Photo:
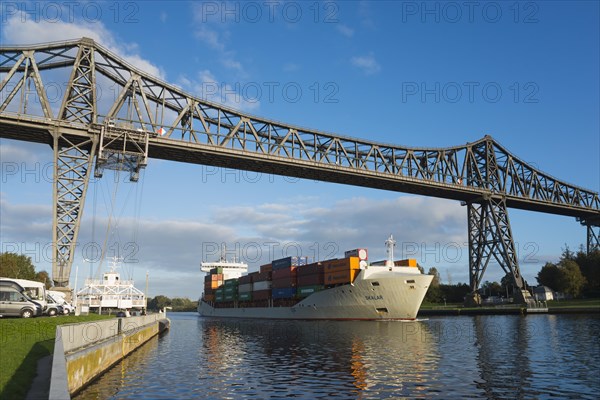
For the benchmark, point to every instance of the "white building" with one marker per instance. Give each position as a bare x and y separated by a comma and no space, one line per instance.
543,293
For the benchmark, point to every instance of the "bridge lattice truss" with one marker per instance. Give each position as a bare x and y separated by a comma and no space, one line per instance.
90,104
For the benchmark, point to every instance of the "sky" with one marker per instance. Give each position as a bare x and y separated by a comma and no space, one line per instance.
417,74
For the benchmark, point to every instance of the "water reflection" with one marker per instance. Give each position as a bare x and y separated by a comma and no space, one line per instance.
319,359
447,357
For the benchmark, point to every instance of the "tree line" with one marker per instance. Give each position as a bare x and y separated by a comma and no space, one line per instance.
19,266
575,274
177,304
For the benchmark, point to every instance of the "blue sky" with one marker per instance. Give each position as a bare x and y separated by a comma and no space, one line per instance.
409,73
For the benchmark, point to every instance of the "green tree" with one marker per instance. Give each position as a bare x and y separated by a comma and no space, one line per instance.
550,276
43,277
18,266
571,278
434,294
491,288
159,302
589,264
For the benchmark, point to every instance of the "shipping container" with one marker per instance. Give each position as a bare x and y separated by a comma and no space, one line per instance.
342,264
219,297
245,287
261,294
310,280
213,284
304,291
311,269
261,285
245,279
284,293
341,277
218,270
230,297
289,262
263,276
410,262
219,291
209,297
230,289
266,268
253,275
284,283
245,296
231,282
362,254
284,273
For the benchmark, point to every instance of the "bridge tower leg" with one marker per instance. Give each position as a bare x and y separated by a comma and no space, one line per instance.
490,236
72,169
593,238
73,159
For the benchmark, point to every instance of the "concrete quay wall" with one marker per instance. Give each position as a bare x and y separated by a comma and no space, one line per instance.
84,351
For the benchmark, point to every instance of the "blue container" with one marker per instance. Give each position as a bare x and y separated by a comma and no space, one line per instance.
288,262
281,263
285,293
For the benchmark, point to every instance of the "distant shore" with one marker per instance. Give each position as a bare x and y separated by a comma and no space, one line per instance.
552,307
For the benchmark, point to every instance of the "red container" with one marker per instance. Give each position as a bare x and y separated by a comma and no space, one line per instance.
245,279
253,275
284,273
263,276
310,280
310,269
284,283
266,268
261,295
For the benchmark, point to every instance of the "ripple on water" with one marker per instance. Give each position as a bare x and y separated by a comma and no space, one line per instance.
540,356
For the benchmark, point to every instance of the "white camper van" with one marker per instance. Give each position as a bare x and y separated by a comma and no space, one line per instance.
36,291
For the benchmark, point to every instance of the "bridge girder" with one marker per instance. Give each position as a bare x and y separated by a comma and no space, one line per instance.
106,97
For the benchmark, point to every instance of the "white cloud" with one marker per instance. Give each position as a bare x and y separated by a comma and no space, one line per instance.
368,64
345,30
22,30
214,33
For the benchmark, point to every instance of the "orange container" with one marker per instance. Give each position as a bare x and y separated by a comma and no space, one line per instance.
213,284
209,297
341,277
409,262
342,264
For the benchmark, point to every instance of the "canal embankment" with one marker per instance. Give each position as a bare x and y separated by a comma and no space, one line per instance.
507,310
83,351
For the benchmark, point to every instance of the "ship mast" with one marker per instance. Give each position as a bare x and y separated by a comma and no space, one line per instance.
390,243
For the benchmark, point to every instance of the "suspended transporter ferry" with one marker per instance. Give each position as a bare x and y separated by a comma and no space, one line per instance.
340,289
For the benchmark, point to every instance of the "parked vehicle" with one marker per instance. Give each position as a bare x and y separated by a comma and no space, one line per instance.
36,291
53,308
59,297
15,302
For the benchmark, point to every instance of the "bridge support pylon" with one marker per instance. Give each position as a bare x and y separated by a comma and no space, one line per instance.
490,236
593,238
72,169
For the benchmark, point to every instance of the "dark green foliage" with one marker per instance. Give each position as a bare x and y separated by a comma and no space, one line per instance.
178,304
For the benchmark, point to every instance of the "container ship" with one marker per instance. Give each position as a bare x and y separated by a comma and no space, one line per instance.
349,288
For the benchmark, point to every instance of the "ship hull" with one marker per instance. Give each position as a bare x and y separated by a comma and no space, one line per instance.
376,294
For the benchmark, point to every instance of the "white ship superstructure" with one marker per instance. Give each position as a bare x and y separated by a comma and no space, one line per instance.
111,292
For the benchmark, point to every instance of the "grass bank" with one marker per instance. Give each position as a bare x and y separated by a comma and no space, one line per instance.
22,343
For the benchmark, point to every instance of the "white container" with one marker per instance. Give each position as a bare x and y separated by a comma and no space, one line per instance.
264,285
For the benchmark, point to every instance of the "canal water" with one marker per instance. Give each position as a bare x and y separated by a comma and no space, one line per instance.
495,357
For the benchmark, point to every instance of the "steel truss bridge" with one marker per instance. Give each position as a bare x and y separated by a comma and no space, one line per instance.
109,114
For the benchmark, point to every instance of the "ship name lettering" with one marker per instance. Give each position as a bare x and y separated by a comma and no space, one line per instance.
378,297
